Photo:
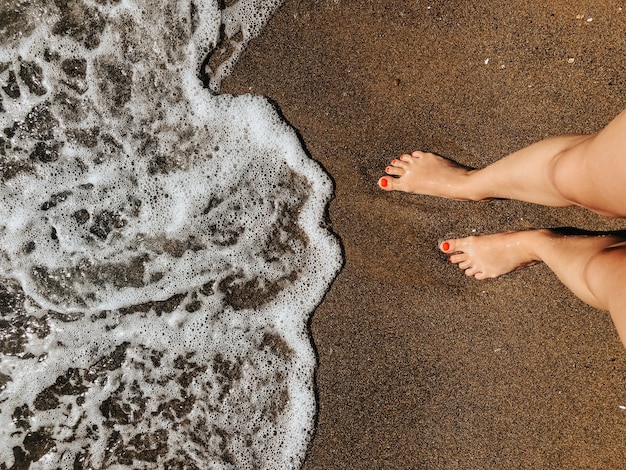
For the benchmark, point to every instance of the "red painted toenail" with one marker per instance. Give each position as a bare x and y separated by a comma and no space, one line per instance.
445,246
383,183
394,162
387,169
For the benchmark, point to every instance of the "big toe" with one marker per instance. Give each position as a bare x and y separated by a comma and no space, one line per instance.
386,183
447,246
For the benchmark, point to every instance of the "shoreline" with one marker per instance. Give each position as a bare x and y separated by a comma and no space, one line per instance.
420,367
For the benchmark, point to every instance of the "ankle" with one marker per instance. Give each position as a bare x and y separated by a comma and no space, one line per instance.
536,242
473,187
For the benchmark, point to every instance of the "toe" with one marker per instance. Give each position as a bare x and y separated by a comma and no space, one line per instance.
448,246
405,159
480,276
458,258
393,170
473,271
385,183
465,265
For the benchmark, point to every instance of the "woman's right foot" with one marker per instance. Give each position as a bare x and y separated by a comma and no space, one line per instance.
491,256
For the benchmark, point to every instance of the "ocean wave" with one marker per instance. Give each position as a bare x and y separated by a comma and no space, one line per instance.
161,247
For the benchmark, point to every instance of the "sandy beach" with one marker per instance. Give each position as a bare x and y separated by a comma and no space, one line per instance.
419,367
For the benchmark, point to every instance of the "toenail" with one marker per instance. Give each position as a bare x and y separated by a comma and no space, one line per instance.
387,169
383,183
394,162
445,246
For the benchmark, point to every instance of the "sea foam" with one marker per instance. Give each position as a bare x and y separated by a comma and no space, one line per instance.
161,247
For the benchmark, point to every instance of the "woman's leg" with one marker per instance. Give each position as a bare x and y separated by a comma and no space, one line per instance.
585,170
592,267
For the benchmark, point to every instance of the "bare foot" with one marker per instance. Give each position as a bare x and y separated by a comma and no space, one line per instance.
428,174
491,256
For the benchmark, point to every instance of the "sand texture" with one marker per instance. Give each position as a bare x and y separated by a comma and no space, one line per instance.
420,367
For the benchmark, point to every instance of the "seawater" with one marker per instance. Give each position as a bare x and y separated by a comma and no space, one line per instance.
162,246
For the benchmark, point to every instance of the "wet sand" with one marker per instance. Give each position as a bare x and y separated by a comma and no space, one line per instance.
420,367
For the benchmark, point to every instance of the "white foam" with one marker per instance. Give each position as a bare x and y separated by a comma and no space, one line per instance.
160,247
242,21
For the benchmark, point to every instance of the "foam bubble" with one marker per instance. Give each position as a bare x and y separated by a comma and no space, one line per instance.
160,247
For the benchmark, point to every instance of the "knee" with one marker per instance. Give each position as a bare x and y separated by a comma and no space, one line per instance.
569,170
604,275
581,176
564,174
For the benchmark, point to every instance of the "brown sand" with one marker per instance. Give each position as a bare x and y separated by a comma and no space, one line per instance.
420,367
